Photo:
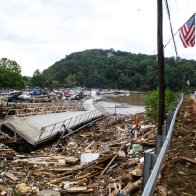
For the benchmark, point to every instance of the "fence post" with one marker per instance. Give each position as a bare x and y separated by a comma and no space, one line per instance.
147,166
158,143
164,134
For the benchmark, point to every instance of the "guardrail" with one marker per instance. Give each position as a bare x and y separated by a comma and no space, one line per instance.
68,124
154,161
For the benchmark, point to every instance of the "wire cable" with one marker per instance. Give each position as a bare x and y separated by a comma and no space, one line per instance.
171,28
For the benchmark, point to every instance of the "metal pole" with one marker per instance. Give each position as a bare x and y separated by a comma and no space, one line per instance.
115,106
160,65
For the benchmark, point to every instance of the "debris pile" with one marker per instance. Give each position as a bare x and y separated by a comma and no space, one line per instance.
103,159
178,171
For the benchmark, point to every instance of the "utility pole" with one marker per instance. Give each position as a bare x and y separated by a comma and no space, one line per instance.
160,65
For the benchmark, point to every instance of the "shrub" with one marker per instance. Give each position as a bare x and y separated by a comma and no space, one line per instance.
152,104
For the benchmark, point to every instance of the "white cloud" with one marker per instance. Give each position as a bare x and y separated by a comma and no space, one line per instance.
37,33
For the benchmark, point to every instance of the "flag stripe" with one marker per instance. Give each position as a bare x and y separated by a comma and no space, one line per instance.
187,33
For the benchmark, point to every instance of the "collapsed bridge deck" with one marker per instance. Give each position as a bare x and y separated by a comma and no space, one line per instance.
40,128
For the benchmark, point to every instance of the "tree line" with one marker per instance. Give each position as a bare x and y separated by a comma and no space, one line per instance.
97,68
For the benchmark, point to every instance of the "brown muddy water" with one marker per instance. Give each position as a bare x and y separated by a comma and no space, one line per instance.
124,104
131,99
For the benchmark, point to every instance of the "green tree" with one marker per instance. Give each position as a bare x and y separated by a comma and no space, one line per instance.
71,80
26,81
10,74
37,79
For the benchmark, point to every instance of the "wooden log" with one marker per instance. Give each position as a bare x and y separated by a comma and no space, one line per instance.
131,186
31,162
79,189
42,173
112,160
187,159
89,145
147,143
74,168
88,175
68,159
43,160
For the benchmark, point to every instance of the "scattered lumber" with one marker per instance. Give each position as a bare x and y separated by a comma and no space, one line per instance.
59,167
11,176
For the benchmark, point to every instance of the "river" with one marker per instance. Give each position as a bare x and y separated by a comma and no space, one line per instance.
124,104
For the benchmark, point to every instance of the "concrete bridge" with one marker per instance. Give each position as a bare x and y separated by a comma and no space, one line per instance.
40,128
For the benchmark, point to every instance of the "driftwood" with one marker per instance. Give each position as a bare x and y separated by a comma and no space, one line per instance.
187,159
89,145
65,169
147,143
120,129
42,173
116,187
112,160
148,133
43,160
11,176
59,167
131,186
79,189
88,175
68,159
31,162
125,178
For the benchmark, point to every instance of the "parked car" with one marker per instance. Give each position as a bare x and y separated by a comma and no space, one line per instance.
78,96
18,97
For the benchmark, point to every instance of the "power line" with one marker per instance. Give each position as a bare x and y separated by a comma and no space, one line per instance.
171,28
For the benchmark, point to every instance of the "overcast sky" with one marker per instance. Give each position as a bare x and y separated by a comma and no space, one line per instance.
37,33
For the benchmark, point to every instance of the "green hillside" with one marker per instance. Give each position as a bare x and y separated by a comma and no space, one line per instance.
117,69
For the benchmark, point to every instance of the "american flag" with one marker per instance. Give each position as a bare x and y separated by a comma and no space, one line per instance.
187,32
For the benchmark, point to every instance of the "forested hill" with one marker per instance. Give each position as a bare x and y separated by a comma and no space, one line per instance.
117,69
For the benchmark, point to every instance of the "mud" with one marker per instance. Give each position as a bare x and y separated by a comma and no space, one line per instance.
178,176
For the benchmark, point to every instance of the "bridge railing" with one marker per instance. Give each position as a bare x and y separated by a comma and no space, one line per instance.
68,124
21,110
98,106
